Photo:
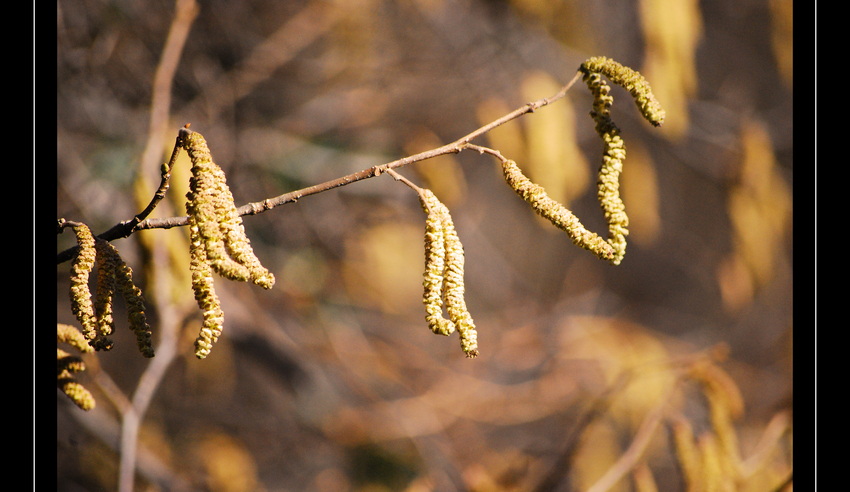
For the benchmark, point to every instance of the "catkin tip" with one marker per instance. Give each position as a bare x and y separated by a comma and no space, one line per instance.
630,80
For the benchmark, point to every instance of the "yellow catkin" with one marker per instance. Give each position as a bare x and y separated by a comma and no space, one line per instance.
77,393
105,287
135,306
219,226
107,258
202,285
81,267
613,155
556,213
218,240
72,336
614,152
435,262
453,286
66,365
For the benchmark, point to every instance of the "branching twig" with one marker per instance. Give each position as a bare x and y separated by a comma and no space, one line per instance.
140,222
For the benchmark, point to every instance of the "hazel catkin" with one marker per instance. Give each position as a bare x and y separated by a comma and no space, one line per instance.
218,242
81,268
555,212
435,265
444,276
220,228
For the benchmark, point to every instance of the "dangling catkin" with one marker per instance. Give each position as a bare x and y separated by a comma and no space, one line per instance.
202,285
220,228
443,282
435,265
614,153
556,213
217,239
81,267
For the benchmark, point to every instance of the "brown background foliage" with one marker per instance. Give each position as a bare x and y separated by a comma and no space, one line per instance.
331,380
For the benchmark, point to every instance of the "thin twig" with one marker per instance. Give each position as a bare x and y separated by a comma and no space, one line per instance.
418,190
126,228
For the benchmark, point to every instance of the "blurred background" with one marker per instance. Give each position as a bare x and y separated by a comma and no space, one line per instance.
332,381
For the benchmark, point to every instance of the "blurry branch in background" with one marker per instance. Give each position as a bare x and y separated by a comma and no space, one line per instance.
559,470
133,410
301,30
132,415
710,461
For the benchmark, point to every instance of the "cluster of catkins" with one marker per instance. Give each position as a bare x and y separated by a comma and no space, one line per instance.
95,316
112,274
218,242
444,276
614,153
67,364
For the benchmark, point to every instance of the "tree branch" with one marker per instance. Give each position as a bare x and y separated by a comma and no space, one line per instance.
140,222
